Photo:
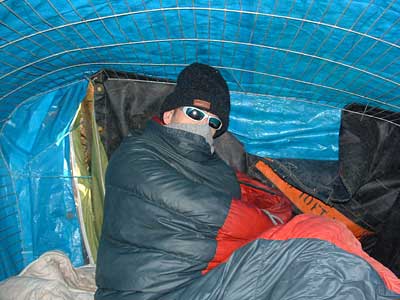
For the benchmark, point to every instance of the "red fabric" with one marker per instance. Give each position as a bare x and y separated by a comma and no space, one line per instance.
275,202
242,225
335,232
158,120
246,221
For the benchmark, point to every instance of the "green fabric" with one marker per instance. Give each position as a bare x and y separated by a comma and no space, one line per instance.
90,178
98,166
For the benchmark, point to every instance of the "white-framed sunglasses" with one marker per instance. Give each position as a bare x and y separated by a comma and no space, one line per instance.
198,115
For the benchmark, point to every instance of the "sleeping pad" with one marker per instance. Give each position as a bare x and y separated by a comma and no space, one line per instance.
177,225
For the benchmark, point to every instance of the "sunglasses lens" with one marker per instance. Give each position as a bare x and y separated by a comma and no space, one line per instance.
198,115
195,114
214,123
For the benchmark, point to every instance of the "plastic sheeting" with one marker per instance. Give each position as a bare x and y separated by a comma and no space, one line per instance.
89,162
274,127
325,53
10,241
35,144
330,52
266,125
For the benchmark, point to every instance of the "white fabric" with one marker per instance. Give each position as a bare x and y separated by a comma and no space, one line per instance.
51,277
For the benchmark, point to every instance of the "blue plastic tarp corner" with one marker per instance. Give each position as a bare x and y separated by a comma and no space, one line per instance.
35,144
285,128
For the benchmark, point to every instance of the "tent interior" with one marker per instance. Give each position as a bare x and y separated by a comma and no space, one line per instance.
315,91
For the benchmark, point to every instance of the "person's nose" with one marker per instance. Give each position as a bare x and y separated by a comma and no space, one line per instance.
204,121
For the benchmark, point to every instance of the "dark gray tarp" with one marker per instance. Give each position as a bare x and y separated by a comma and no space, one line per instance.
124,102
364,184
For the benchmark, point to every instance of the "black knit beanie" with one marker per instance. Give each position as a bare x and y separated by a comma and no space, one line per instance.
204,87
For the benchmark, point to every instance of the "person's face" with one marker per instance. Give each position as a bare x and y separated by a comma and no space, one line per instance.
178,116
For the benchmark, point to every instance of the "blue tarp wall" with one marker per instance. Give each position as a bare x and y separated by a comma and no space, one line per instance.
291,67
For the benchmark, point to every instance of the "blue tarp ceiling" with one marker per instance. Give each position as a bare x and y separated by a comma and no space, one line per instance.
291,66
